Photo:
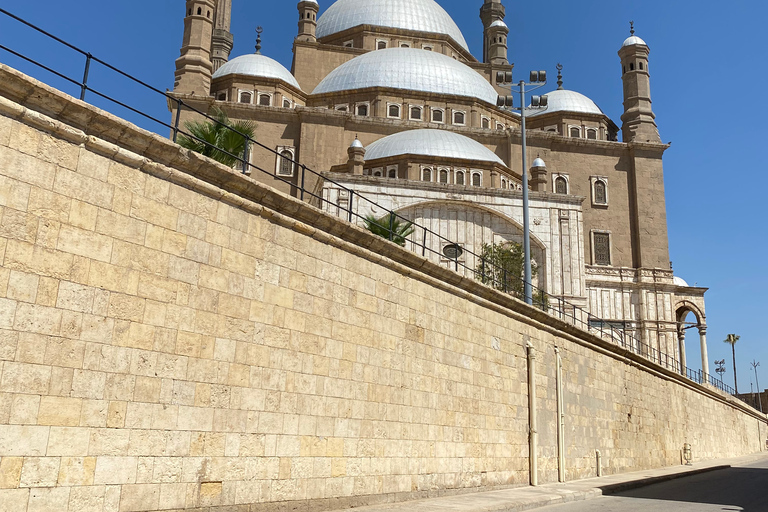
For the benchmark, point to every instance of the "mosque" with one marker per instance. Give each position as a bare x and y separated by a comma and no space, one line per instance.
386,103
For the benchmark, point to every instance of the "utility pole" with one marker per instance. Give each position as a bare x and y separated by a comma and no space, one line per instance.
754,364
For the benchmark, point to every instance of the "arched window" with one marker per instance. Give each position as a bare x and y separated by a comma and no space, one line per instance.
459,177
601,245
476,180
428,48
286,103
245,97
378,173
380,45
499,126
265,100
592,134
416,113
222,96
503,183
392,172
426,174
601,192
437,116
641,65
459,118
393,111
561,185
362,110
575,132
199,11
285,163
443,176
486,123
631,66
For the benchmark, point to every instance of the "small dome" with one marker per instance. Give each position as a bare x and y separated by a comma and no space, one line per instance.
410,69
416,15
498,23
568,101
539,163
633,40
679,281
309,1
435,143
258,66
356,144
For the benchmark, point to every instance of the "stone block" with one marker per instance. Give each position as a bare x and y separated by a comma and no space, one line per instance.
121,227
25,378
75,184
59,411
77,471
68,442
27,168
22,286
94,413
18,225
38,319
85,243
140,497
48,500
75,297
63,352
14,500
46,204
10,472
24,410
115,470
87,499
39,472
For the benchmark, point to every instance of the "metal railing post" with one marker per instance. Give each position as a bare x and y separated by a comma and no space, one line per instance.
391,226
424,243
84,86
351,197
303,173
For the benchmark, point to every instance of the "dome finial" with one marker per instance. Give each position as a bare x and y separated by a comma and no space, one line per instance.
259,30
632,27
559,77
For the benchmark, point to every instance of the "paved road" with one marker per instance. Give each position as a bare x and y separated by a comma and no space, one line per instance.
743,488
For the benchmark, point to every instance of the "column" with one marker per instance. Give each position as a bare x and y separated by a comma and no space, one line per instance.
681,342
704,357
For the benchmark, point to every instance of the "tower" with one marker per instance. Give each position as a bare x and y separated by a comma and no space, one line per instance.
639,123
496,41
308,10
193,67
493,11
223,40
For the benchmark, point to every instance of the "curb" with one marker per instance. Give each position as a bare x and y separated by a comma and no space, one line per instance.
643,482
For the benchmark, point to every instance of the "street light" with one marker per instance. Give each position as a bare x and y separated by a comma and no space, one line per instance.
754,365
720,367
538,79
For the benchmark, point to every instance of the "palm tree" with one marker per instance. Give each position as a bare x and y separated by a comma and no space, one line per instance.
381,226
732,339
218,139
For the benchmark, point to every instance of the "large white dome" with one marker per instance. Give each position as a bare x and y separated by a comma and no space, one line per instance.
410,69
256,65
417,15
436,143
568,101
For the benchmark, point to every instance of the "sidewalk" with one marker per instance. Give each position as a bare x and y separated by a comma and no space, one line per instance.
528,498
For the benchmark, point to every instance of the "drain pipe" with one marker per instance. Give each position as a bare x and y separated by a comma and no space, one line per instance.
560,419
533,435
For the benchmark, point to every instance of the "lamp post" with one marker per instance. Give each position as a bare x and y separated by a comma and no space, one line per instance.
754,365
720,367
538,79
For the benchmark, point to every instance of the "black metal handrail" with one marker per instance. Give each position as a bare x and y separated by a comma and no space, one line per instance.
553,305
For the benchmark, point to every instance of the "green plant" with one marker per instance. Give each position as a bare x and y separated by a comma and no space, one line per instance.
732,339
381,226
501,267
218,140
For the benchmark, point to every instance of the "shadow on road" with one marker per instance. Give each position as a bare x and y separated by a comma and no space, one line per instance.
734,488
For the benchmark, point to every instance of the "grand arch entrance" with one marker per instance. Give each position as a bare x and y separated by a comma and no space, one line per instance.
682,310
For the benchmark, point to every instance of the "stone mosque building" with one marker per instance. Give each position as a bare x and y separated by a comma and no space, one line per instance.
385,99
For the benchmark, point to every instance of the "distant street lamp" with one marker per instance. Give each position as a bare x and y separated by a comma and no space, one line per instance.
538,80
754,365
720,367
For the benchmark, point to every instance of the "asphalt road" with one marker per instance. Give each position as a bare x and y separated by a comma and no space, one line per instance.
743,488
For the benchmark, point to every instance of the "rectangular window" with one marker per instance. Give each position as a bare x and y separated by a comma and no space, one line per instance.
416,113
602,248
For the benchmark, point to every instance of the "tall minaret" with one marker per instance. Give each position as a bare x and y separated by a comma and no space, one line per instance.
223,40
193,67
308,10
492,11
638,118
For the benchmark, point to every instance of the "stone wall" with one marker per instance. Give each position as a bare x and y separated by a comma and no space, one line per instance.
177,336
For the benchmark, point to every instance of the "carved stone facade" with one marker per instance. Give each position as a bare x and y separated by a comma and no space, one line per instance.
361,76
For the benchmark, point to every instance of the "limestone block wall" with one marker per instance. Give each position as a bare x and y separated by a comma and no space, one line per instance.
175,336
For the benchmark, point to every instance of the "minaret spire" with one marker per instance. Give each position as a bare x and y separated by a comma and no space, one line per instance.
223,40
638,120
495,32
259,30
559,77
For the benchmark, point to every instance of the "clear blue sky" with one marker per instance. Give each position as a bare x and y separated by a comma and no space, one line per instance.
707,59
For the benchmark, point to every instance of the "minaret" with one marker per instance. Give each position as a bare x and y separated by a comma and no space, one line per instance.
308,10
638,117
497,43
193,67
223,40
490,12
